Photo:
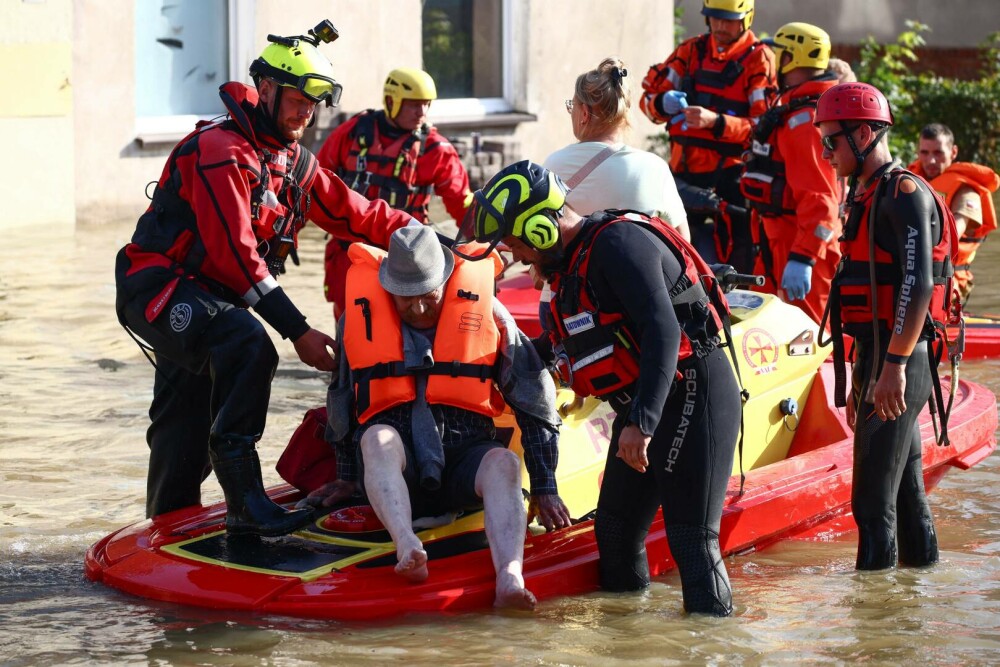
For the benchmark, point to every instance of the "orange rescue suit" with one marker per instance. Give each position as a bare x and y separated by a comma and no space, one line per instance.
736,81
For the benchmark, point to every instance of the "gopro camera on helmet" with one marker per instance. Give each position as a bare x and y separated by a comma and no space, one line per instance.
325,32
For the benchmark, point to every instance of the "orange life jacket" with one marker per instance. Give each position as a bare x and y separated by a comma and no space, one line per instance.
984,181
465,342
598,350
386,172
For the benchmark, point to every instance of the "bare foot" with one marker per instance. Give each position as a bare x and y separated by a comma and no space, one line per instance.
412,561
512,594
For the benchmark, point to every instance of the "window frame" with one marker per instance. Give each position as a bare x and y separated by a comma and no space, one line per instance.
240,14
445,109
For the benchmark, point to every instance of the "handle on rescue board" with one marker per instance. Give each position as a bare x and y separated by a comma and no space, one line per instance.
742,280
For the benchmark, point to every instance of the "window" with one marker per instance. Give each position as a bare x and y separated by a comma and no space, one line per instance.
466,48
184,50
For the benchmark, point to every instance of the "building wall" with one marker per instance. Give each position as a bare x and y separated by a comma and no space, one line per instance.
956,23
36,112
79,118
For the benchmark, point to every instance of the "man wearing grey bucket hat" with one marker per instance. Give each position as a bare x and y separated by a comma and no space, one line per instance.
430,357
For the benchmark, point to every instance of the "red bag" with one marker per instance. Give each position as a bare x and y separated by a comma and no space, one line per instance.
309,461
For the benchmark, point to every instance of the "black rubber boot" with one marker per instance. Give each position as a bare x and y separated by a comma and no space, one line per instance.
249,511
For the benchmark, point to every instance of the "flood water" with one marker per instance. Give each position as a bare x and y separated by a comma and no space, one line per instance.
74,391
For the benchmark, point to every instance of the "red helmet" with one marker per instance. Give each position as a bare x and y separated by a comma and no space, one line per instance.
853,101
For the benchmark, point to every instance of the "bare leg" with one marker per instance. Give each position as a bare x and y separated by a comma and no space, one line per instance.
385,460
498,482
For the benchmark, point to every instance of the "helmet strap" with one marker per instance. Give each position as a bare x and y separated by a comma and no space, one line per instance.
269,117
859,155
276,106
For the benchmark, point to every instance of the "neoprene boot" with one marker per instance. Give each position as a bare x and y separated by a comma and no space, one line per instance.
249,511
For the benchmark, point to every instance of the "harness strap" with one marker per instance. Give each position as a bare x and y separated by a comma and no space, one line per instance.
744,392
483,372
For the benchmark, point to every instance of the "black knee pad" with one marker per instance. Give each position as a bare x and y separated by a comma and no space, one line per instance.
704,580
622,548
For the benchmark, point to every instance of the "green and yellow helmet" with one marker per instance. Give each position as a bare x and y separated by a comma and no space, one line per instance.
295,62
523,200
807,45
729,10
406,83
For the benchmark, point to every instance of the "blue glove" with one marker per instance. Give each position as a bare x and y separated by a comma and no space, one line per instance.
796,280
672,102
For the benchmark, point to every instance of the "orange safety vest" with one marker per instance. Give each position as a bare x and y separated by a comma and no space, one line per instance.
465,342
984,181
741,86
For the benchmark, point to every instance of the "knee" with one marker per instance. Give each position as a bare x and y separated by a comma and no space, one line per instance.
621,543
504,464
500,467
382,444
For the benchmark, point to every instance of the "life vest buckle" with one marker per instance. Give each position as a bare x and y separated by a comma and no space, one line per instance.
563,368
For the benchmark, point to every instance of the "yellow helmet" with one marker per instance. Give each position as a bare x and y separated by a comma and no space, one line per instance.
808,46
730,10
406,83
297,63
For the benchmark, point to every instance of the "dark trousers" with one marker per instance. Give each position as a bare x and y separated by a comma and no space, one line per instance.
214,366
888,497
690,462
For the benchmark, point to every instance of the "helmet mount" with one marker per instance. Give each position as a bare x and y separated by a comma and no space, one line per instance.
323,32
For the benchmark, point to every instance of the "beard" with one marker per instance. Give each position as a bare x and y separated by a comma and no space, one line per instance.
550,261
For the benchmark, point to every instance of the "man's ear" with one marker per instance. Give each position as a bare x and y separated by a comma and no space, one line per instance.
954,152
265,91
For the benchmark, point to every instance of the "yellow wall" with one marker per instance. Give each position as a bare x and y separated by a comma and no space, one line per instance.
36,109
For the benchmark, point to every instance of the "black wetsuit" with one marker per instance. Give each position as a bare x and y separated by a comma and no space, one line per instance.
694,422
888,493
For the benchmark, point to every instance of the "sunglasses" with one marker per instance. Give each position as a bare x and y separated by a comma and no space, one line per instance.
828,140
569,106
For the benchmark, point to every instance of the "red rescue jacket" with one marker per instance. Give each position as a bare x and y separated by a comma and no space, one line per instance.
231,200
